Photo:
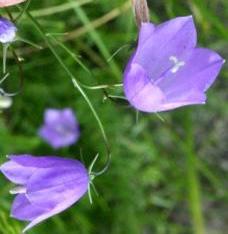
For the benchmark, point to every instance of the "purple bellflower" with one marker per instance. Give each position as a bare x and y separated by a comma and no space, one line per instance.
45,186
7,31
60,128
167,70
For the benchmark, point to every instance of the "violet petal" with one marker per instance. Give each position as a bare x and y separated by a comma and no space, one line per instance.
22,209
173,37
7,31
138,93
146,31
60,128
199,72
167,70
27,160
59,208
60,184
16,172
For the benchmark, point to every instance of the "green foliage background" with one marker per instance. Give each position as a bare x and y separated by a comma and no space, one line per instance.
159,170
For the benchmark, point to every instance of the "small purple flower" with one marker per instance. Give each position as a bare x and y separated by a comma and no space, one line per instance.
167,70
60,128
45,186
7,31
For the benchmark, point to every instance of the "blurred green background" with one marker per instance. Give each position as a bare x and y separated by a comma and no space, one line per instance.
166,177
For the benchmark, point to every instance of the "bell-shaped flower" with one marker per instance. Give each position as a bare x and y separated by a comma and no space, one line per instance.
7,31
45,186
6,3
60,128
168,70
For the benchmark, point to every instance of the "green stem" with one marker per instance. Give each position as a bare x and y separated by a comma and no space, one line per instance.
76,85
22,12
102,86
4,56
193,180
70,53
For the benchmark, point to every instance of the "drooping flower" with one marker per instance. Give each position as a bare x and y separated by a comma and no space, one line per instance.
167,70
7,31
45,186
5,3
60,128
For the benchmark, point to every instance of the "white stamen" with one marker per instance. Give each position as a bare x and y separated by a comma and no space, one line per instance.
177,64
18,190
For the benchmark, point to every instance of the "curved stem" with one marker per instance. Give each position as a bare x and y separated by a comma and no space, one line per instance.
21,75
17,61
69,52
21,83
29,43
4,78
22,12
102,86
4,57
76,85
117,51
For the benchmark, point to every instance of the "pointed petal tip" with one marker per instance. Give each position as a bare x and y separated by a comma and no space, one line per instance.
189,17
185,19
203,102
3,167
29,226
3,164
146,23
13,216
25,229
